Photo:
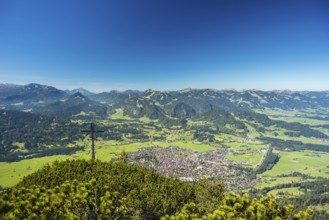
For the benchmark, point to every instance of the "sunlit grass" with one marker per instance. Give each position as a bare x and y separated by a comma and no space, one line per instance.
270,181
119,115
307,162
12,173
251,158
294,191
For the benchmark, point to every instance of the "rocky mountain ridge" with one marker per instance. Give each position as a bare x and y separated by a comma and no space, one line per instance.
185,103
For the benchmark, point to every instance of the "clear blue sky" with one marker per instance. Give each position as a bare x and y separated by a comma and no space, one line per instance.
166,44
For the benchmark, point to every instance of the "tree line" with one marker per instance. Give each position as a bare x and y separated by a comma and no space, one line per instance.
292,145
315,192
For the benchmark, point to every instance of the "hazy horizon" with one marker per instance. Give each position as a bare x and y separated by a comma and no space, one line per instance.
181,89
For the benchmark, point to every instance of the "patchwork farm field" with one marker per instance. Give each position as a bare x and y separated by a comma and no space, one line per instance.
242,150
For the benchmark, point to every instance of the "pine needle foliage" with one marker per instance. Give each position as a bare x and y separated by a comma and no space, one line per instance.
81,189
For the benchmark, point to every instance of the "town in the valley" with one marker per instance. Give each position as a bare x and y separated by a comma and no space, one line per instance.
193,166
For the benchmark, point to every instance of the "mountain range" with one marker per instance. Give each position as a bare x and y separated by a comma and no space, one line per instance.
227,111
185,103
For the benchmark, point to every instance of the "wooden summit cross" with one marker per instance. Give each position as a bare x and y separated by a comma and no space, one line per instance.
92,135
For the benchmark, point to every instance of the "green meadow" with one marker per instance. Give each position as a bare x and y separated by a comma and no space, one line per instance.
251,158
308,162
270,181
12,173
287,192
311,163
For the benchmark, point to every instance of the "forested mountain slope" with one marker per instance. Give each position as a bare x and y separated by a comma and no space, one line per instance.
28,96
75,106
27,132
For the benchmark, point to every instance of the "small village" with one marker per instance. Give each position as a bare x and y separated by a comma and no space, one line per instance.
194,166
